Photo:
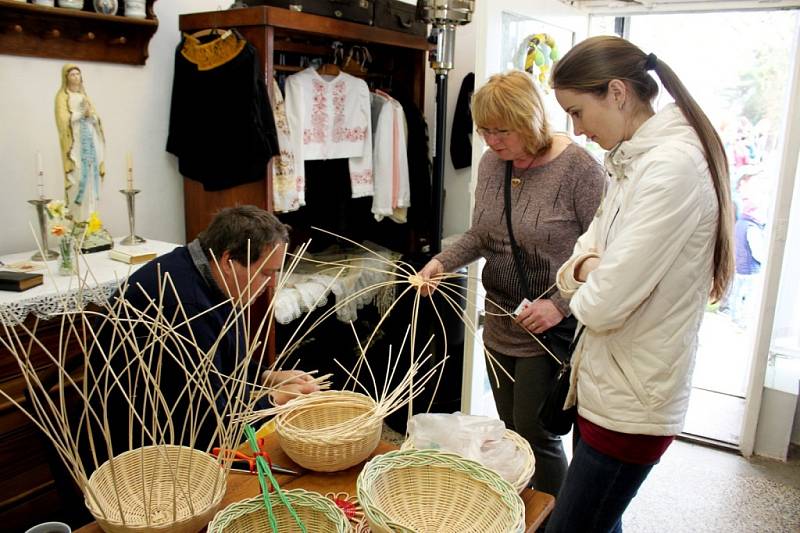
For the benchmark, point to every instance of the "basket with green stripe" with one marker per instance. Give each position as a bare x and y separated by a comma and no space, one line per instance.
318,514
426,491
525,475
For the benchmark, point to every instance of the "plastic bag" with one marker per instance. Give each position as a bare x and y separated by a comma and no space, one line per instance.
475,437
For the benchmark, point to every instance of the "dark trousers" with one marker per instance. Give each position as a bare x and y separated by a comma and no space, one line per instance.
596,493
518,406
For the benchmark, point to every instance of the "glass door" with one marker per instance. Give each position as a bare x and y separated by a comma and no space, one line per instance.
743,85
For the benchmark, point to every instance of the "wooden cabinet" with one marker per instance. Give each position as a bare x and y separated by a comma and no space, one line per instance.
41,31
398,58
29,491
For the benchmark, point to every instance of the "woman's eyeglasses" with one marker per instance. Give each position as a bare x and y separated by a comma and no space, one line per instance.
497,134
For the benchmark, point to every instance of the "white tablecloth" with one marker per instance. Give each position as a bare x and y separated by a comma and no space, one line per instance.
98,279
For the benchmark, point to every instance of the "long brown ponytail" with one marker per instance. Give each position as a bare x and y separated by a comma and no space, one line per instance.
591,64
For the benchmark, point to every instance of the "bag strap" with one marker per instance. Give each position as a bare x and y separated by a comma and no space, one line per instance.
516,252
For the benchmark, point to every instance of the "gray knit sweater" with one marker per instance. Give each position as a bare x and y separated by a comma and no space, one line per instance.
550,209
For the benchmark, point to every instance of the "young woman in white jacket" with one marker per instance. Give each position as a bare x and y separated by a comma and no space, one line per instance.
640,277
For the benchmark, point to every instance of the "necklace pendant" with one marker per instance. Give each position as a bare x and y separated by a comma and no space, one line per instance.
515,182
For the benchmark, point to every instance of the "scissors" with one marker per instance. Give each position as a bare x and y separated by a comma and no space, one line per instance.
241,457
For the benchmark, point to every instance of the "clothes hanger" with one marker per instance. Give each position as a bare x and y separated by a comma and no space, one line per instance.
214,30
332,69
328,69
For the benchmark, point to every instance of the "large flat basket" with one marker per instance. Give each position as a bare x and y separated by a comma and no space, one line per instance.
426,491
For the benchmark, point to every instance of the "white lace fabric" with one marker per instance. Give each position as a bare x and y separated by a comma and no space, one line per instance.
311,284
97,279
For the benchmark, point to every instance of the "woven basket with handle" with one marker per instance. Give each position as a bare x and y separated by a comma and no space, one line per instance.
330,430
525,475
318,514
156,489
426,491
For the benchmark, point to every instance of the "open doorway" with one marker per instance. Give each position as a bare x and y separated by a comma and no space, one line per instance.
737,66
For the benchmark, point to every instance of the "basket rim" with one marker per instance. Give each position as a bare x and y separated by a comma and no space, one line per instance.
248,505
213,502
321,399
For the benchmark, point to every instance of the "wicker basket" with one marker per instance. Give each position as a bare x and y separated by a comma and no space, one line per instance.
425,491
330,430
161,488
318,514
525,475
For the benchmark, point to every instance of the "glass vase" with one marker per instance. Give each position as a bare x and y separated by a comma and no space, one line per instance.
66,249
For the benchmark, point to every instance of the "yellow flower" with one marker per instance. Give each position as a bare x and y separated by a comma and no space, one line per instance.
57,209
94,223
58,230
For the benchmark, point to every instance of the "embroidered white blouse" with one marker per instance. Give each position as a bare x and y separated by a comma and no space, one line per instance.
329,118
288,188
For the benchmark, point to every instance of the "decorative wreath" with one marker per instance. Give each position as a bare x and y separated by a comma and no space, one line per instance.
536,55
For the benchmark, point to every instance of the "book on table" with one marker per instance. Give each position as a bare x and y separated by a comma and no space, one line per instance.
19,281
131,256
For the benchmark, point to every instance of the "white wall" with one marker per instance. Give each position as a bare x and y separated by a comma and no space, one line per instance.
488,31
133,102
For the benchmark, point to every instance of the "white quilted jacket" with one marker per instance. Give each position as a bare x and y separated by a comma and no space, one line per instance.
642,307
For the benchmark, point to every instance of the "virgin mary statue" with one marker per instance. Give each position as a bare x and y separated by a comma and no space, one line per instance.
82,144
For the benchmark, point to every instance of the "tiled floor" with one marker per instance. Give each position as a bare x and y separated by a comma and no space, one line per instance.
700,489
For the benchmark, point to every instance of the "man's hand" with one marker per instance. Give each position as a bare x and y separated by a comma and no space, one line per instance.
289,384
539,316
431,275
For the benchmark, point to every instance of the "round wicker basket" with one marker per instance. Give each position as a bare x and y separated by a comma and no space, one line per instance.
318,514
160,488
423,491
525,475
330,430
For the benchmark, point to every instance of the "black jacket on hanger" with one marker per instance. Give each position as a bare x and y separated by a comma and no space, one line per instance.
221,125
460,140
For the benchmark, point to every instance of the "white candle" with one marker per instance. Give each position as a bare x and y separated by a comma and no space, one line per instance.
130,171
40,175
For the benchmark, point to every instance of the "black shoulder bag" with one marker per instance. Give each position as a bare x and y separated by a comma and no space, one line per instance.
560,340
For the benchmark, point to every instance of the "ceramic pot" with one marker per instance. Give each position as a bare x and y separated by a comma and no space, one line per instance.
106,7
135,9
71,4
48,3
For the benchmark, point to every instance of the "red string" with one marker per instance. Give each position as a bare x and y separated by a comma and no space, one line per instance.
350,509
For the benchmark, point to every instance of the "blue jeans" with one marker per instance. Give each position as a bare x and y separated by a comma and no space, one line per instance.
596,492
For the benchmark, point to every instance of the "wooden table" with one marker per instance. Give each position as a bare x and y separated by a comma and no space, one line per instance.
538,505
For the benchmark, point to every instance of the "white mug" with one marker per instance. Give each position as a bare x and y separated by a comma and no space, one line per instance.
50,527
71,4
48,3
135,9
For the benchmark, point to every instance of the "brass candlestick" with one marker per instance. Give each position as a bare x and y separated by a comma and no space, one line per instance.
44,253
132,238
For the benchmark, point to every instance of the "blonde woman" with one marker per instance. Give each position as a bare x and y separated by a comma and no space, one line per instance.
555,188
640,278
80,134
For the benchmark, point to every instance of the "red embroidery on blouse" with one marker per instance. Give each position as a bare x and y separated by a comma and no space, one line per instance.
361,178
341,133
319,116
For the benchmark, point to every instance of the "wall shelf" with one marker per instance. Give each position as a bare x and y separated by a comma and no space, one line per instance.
40,31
